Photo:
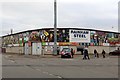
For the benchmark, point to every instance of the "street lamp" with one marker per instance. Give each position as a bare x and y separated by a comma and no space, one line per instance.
112,33
55,28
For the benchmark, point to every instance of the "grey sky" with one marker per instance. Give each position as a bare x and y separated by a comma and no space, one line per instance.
93,14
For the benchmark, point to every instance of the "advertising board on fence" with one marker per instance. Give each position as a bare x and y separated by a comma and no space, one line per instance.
79,36
106,44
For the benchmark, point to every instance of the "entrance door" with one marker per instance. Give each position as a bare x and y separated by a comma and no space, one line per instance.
36,48
39,48
33,48
26,49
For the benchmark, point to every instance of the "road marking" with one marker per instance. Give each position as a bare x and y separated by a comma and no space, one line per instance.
45,72
12,61
48,73
59,76
55,75
38,69
68,59
51,74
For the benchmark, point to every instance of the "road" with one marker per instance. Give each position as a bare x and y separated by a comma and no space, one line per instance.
15,66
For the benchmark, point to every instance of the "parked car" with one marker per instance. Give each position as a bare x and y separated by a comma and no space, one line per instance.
66,53
115,52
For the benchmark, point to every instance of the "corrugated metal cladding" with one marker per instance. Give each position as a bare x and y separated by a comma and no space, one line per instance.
64,36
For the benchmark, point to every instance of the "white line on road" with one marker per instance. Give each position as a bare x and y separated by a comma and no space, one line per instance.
59,76
67,59
45,72
38,69
12,61
49,73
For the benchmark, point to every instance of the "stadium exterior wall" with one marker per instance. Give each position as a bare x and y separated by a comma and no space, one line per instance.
73,38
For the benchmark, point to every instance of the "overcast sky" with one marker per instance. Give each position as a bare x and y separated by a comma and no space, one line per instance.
24,15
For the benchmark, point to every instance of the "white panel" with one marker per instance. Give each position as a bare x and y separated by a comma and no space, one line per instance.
36,48
39,47
26,49
106,44
33,48
79,36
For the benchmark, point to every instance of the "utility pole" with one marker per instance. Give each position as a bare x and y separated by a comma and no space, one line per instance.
112,33
55,28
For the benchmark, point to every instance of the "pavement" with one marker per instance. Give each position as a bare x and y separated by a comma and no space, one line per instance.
47,56
48,66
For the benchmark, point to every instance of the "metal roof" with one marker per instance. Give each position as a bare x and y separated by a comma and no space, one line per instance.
59,29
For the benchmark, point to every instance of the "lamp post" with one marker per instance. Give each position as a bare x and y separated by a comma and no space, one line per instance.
112,33
55,28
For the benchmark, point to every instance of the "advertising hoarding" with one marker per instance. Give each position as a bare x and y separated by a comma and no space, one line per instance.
79,36
106,44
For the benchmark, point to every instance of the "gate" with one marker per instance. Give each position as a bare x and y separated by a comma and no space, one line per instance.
36,48
26,49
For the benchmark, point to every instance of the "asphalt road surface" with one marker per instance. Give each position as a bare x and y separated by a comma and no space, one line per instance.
16,66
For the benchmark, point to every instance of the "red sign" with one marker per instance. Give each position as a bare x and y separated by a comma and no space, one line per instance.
91,44
74,44
64,43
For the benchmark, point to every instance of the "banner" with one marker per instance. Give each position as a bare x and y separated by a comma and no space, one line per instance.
46,33
106,44
44,43
64,43
79,36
